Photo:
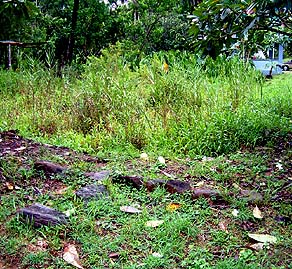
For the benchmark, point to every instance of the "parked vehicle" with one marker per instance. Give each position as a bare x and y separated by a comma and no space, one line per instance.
268,67
286,66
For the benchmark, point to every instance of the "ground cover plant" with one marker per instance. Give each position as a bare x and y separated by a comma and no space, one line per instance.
215,125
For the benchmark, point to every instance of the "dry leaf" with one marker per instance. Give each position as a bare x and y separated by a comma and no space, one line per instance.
235,212
130,209
161,160
61,190
172,207
154,223
20,149
167,174
40,245
69,212
70,255
257,246
114,255
207,159
223,226
9,186
263,238
157,255
200,184
144,157
279,166
257,213
236,186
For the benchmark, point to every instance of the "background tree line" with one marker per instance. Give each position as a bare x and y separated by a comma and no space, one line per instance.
66,30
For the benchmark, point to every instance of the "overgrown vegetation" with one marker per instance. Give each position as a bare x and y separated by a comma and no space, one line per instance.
209,108
117,79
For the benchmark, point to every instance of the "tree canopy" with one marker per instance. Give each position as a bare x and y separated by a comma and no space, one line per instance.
74,29
218,26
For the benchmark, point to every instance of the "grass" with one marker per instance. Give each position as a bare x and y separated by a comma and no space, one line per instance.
194,109
221,108
192,236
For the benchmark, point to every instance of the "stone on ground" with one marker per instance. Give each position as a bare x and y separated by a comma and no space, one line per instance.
172,186
49,167
92,191
40,215
98,176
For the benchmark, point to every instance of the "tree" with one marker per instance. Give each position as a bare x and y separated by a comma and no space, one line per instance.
220,25
13,17
149,25
71,41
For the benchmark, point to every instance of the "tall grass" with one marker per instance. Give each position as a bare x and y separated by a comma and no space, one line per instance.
210,107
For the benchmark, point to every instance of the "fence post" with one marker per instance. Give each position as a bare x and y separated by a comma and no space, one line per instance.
9,56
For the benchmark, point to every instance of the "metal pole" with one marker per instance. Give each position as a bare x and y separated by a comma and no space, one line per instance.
281,53
9,56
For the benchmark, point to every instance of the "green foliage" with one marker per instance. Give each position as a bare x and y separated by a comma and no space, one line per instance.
13,18
225,26
208,108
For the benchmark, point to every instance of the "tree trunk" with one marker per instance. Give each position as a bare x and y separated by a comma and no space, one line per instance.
71,41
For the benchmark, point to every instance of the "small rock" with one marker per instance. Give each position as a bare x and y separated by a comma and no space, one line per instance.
177,186
92,192
98,176
153,184
49,167
40,215
205,192
135,181
172,186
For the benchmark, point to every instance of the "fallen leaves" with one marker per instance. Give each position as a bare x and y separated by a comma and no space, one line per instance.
144,157
61,190
161,160
20,149
257,213
279,165
9,186
157,255
39,245
257,246
235,212
223,226
130,209
71,256
114,255
153,223
69,212
172,207
263,238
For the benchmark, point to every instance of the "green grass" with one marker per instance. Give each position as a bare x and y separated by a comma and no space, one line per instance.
196,109
216,108
190,237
